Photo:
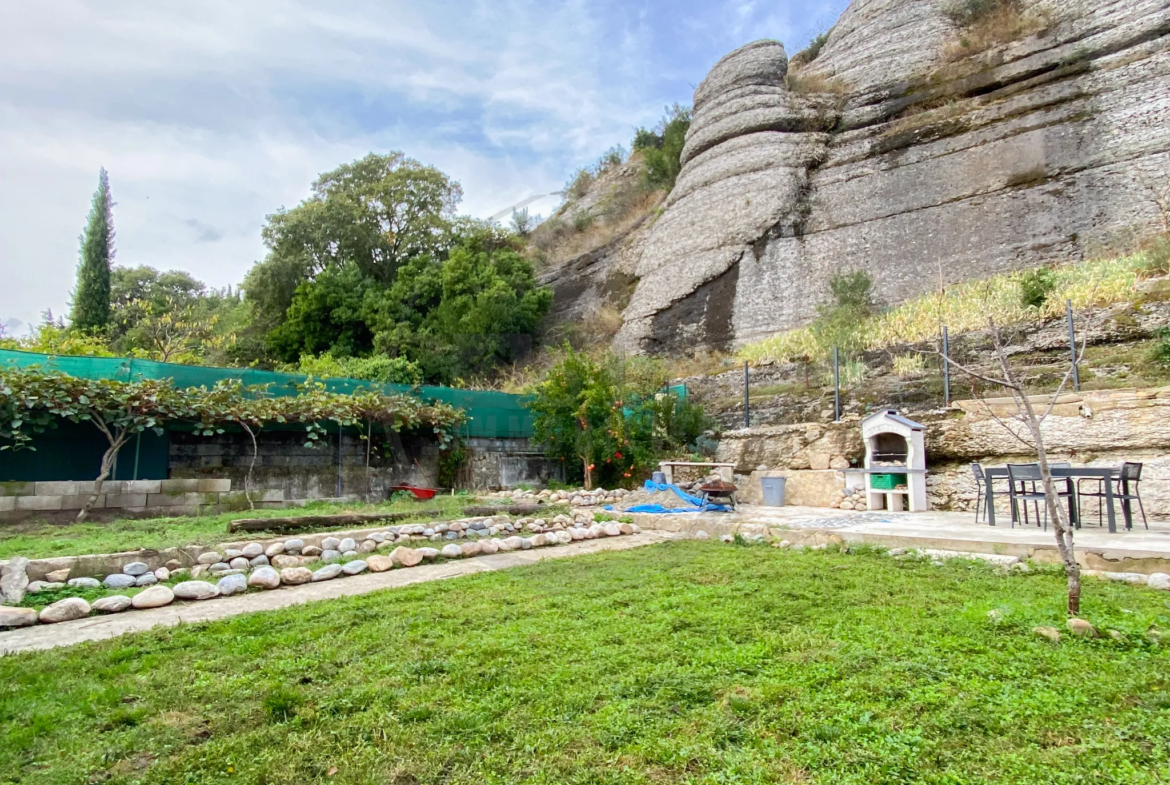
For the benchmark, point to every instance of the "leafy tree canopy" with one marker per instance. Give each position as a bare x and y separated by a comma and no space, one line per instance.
373,215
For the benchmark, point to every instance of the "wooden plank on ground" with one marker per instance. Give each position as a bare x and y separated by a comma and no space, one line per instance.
294,522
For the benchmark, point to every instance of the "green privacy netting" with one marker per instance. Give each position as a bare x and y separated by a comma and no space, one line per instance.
493,414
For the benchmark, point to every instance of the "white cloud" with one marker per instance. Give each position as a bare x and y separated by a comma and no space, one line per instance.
211,114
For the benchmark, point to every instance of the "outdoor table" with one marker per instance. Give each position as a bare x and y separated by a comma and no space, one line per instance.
1106,475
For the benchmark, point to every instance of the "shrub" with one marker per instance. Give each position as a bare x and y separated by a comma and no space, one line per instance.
394,370
1156,256
582,220
1036,286
812,51
662,148
612,158
580,183
853,290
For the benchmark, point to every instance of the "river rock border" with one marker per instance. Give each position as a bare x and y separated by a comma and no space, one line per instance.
578,498
295,561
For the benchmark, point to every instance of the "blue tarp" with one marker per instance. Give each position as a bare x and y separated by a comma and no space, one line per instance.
698,504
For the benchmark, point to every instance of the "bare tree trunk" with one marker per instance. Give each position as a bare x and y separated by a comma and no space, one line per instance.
107,468
251,467
588,473
1061,525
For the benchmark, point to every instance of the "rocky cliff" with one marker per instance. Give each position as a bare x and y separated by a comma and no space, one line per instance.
906,150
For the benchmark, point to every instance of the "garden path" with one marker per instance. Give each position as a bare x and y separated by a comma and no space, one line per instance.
94,628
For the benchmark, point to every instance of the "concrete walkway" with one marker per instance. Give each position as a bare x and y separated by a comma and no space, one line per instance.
95,628
1134,551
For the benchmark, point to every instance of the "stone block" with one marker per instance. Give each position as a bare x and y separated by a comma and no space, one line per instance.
141,487
126,500
39,503
214,486
163,500
78,501
269,496
17,489
60,488
178,486
7,503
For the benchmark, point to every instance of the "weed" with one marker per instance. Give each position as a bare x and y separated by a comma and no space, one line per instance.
1160,353
281,703
910,366
1036,286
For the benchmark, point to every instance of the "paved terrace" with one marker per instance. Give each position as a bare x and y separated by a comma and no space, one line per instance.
1135,551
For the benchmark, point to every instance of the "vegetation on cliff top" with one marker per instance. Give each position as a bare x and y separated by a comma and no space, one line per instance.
1009,298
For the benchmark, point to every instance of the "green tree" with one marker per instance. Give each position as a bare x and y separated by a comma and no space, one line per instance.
327,314
608,421
173,317
662,148
91,298
373,214
478,308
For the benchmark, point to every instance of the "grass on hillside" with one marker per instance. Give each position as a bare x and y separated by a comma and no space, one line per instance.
966,307
39,539
681,663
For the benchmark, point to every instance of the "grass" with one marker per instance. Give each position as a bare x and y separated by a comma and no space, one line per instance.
681,663
38,539
966,307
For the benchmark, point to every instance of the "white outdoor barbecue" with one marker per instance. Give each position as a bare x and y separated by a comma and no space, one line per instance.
895,462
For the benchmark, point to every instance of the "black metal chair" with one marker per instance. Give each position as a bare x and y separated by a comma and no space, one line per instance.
1128,479
980,488
1022,479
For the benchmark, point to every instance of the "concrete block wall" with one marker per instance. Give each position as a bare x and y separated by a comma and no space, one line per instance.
158,497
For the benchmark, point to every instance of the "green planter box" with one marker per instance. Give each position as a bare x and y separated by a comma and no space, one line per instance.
886,482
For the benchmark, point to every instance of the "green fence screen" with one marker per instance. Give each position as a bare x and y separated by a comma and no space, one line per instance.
493,414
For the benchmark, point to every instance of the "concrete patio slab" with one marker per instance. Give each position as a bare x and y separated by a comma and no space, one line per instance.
1138,550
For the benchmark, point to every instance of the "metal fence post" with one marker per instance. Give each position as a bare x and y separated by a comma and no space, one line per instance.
946,369
1072,345
747,414
836,385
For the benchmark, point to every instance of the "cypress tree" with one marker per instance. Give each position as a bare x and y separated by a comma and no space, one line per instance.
91,299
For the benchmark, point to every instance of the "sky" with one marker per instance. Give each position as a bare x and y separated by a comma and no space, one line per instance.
212,114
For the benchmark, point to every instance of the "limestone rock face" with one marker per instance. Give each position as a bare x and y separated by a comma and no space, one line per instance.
902,152
745,166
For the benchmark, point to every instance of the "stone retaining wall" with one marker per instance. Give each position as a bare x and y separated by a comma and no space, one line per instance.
159,497
1092,428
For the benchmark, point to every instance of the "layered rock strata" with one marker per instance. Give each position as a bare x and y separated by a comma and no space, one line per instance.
909,157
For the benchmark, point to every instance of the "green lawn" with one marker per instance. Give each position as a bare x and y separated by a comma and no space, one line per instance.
685,662
36,540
